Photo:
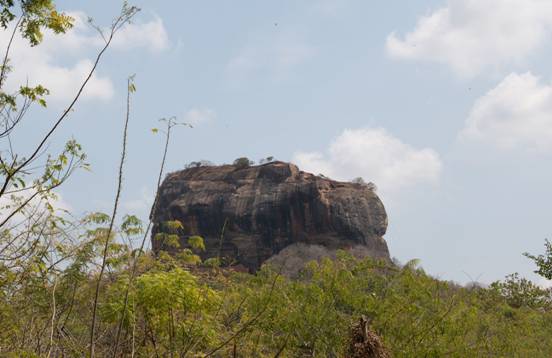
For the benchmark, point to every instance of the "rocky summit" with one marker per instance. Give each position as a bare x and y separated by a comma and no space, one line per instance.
250,214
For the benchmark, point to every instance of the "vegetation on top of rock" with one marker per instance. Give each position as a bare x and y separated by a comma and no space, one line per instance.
200,163
360,181
266,160
243,162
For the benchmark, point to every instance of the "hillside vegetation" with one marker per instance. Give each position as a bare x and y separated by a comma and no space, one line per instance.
179,309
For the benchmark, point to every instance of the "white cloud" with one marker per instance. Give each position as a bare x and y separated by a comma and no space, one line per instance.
473,35
197,116
61,62
273,58
375,155
149,35
515,114
41,65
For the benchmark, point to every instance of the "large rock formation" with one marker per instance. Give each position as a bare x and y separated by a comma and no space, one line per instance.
268,208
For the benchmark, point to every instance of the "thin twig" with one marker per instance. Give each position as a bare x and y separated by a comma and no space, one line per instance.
170,124
110,229
53,317
5,61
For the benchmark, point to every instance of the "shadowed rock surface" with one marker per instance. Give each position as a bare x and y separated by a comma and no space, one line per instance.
268,208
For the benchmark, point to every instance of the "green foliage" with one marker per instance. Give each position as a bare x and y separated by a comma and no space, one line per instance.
198,164
171,305
172,225
520,292
243,162
178,310
36,16
187,257
33,94
416,315
131,225
358,180
196,242
266,160
170,238
212,262
131,84
543,262
173,310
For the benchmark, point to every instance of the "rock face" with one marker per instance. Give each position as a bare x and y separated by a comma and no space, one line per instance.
267,208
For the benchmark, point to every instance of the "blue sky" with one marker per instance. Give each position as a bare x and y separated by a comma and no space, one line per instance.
445,105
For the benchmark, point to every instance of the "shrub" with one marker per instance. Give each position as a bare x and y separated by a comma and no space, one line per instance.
243,162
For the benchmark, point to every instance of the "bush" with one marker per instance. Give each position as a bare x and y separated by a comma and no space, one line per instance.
266,160
543,262
361,181
201,163
243,162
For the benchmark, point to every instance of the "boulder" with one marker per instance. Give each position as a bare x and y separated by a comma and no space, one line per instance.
248,214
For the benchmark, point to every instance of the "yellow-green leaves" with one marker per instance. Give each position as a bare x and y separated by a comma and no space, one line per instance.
212,262
187,257
131,84
172,225
543,262
97,218
34,94
171,240
196,242
131,225
38,15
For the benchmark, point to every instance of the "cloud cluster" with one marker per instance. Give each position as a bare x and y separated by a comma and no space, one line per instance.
61,62
517,113
375,155
197,116
473,35
150,35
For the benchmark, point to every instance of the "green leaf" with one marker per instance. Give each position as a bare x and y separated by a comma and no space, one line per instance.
196,242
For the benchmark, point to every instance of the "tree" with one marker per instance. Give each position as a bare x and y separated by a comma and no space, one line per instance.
22,187
543,262
266,160
34,241
520,292
33,17
358,180
198,164
243,162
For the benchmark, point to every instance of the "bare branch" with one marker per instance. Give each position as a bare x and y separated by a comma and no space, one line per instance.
111,224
